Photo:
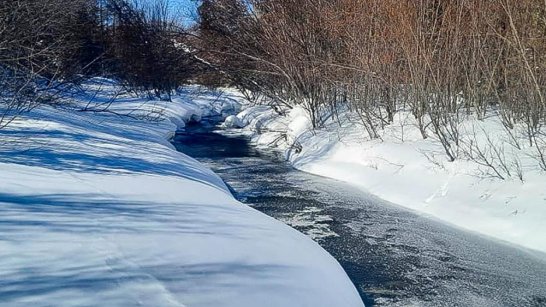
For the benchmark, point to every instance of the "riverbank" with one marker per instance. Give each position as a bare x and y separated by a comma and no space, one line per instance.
406,170
97,207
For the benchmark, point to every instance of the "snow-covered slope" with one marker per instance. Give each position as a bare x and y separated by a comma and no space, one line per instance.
98,209
403,168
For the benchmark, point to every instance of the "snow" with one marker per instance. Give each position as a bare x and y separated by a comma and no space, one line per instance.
233,121
403,168
99,209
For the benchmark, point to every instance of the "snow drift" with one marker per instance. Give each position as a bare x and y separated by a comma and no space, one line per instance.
97,208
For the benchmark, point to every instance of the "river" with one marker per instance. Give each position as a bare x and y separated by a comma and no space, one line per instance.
395,257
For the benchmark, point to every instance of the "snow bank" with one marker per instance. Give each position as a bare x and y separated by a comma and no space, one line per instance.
409,171
99,209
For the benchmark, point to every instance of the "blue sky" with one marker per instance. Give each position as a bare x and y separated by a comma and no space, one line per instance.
184,9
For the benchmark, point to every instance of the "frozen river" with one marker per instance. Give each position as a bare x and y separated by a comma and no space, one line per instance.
395,257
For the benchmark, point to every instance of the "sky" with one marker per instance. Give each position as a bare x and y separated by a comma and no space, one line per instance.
183,9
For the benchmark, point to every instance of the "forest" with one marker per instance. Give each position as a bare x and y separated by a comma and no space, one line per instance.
443,61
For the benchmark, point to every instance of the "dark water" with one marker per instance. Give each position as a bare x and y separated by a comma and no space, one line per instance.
393,256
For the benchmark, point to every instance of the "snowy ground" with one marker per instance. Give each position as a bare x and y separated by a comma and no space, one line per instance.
409,171
98,208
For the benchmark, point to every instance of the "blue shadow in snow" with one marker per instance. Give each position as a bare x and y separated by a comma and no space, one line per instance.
84,278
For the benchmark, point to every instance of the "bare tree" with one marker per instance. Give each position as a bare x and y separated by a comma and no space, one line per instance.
441,60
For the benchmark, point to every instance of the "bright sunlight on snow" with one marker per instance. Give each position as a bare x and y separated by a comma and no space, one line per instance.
406,170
